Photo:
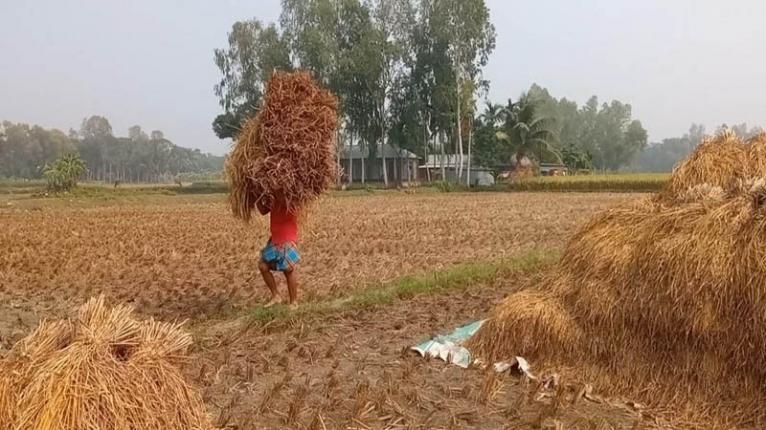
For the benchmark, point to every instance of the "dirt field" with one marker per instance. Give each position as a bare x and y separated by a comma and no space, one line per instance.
180,258
352,371
188,258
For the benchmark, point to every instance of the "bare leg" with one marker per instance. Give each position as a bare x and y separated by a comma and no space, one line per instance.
268,278
292,287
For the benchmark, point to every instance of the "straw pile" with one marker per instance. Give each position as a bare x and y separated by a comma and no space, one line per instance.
662,299
100,370
287,151
721,161
757,155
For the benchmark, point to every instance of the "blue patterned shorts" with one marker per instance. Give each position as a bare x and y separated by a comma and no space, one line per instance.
281,258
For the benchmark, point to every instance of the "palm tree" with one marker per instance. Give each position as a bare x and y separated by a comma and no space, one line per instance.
492,114
526,131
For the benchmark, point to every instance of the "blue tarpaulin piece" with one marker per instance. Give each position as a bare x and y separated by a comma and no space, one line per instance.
449,347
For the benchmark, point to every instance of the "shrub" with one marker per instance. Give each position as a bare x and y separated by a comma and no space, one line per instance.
63,174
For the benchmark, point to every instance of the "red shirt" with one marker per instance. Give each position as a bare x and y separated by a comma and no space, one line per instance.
284,226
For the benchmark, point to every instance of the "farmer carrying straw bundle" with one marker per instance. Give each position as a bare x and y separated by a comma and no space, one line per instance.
283,160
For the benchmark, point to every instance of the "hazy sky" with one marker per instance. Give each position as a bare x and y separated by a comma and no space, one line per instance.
150,62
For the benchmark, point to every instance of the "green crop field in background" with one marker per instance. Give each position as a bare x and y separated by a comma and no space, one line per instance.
619,182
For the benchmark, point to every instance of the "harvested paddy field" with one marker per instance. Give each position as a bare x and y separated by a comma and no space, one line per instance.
352,370
341,361
188,258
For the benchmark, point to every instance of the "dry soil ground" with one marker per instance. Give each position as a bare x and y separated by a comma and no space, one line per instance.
352,370
187,258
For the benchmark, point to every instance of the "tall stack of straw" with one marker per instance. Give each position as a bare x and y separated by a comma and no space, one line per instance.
100,370
662,299
286,153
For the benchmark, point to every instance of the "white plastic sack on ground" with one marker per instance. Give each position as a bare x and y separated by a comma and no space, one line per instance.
516,363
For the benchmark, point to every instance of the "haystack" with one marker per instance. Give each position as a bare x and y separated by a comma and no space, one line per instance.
286,153
721,161
100,370
662,299
757,155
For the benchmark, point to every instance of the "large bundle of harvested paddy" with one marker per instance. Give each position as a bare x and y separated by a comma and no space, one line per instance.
721,161
100,370
287,151
663,299
757,155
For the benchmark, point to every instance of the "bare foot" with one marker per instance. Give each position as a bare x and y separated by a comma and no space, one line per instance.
274,301
293,306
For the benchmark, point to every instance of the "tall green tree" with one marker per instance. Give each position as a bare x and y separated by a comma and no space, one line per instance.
97,145
663,156
470,39
254,52
615,137
25,149
358,66
431,81
398,69
490,150
695,135
136,134
392,21
310,28
605,133
95,126
568,125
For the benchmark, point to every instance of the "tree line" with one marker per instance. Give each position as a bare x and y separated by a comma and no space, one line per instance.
663,156
409,73
25,150
550,130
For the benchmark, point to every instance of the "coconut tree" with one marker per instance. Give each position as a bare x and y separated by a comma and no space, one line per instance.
492,115
526,132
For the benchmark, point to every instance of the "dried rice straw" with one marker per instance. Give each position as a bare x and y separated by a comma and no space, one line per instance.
661,299
286,153
101,370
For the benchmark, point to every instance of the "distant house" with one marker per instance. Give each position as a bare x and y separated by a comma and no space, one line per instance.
433,168
401,165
